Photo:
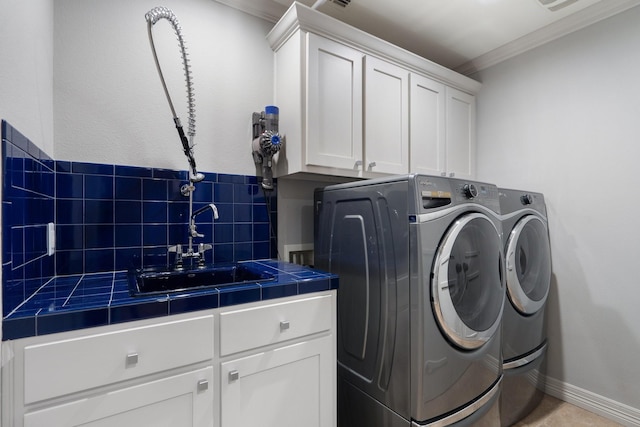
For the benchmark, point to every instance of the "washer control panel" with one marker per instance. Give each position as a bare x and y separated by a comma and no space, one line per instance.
437,192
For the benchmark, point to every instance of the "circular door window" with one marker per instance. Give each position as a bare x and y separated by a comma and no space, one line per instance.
528,265
468,281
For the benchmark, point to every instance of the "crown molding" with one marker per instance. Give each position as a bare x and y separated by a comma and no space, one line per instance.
581,19
270,11
301,17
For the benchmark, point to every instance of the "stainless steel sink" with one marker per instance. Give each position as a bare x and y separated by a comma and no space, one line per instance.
162,280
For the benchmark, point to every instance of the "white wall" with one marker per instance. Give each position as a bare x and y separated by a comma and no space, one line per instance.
26,68
108,100
564,119
26,72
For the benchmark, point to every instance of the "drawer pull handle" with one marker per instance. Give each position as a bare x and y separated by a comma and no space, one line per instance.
203,385
284,325
234,375
132,359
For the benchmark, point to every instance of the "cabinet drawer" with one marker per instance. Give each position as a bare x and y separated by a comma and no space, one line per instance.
249,328
72,365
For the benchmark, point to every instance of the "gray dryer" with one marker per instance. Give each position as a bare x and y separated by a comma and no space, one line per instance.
528,267
420,261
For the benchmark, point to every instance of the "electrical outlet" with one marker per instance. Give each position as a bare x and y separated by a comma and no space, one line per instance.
51,238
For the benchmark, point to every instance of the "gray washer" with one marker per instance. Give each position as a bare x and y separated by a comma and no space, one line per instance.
420,302
528,266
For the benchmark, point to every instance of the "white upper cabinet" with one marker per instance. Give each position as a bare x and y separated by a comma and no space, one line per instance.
461,134
354,105
386,117
442,130
334,104
427,132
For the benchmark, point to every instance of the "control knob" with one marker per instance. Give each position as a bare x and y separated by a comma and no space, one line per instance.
470,191
526,199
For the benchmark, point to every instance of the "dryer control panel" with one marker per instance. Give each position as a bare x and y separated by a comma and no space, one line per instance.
440,192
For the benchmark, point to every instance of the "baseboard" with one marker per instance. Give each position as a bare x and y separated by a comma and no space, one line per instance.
608,408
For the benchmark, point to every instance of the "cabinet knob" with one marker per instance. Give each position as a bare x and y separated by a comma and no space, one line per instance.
234,375
358,164
131,359
203,385
372,165
284,325
452,174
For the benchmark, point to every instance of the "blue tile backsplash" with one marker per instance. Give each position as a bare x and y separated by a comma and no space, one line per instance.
110,218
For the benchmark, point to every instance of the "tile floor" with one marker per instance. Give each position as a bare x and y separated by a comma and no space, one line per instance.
553,412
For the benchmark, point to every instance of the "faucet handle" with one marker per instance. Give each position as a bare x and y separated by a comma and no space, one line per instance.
175,248
202,247
178,250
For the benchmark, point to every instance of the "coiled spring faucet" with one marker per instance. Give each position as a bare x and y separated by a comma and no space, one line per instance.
153,16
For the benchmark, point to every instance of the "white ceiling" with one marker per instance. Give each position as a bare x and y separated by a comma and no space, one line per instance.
464,35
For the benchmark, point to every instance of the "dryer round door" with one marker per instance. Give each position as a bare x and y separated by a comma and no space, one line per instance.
468,281
528,260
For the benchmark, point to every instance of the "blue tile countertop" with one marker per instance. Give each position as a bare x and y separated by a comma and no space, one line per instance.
88,300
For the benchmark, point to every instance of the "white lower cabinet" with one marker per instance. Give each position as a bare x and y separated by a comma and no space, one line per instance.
182,400
147,373
80,363
268,364
284,387
282,372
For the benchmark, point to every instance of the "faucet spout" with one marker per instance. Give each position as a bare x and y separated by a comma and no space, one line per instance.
192,223
204,209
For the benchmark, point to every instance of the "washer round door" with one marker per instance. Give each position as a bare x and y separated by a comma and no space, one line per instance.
468,281
528,265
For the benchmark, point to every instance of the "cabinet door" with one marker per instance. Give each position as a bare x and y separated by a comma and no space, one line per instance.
181,400
334,104
427,126
386,117
286,387
461,131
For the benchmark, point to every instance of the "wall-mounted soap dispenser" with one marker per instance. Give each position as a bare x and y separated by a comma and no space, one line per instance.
266,142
